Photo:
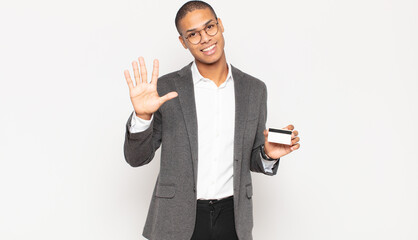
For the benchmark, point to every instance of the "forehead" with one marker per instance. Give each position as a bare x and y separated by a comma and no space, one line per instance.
196,19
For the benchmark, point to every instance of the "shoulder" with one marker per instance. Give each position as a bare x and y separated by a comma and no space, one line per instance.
176,74
166,78
166,81
254,82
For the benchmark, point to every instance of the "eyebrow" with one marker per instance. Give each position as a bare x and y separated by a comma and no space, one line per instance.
194,29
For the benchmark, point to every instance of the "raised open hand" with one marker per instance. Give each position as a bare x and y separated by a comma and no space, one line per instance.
144,95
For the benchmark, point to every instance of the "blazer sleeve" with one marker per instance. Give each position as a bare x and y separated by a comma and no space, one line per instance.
256,164
139,148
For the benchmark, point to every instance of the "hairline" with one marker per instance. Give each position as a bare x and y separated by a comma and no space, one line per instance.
205,24
205,6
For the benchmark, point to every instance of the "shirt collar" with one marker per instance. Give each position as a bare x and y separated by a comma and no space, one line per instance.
197,77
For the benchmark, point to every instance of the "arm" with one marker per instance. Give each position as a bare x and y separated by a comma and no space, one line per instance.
140,146
141,143
256,162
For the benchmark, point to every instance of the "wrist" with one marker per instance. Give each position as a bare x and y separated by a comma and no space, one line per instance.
144,116
265,155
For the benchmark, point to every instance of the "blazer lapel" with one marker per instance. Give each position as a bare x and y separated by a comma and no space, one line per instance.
242,91
185,89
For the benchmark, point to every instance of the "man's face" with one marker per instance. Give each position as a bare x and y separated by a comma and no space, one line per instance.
210,48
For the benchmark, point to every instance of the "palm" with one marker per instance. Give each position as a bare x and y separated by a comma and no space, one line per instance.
277,150
145,98
144,95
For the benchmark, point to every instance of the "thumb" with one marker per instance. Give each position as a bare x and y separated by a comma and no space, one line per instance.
266,133
168,96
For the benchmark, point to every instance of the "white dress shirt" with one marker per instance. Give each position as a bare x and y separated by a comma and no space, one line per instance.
215,110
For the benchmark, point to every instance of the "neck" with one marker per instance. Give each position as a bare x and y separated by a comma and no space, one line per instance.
216,72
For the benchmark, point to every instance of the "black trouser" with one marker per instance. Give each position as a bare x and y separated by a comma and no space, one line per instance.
215,220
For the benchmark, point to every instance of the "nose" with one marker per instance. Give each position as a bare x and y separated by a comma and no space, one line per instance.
204,37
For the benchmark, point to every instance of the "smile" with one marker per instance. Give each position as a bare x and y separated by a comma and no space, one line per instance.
209,48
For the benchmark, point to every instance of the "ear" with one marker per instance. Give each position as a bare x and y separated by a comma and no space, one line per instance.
221,25
182,42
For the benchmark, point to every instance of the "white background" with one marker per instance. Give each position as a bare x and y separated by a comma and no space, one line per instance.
345,73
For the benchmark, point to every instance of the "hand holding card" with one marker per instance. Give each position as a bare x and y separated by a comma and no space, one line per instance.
280,142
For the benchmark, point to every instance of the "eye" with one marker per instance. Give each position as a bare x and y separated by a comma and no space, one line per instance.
210,26
191,35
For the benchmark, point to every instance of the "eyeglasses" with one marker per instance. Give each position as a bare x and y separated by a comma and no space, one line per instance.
195,37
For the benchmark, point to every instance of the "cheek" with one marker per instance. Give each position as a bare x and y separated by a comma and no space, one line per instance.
222,40
194,50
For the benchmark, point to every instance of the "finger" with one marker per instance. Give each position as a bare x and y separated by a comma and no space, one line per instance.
295,140
289,127
144,78
295,147
168,96
128,79
155,72
136,73
295,133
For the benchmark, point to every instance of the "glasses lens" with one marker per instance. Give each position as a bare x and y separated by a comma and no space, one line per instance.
212,29
194,38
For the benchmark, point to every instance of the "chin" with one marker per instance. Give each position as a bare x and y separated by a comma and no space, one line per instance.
208,62
209,59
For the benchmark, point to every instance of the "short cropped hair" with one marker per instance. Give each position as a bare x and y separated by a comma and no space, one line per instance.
189,7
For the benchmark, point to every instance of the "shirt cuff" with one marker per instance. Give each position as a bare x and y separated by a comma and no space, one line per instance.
138,124
268,164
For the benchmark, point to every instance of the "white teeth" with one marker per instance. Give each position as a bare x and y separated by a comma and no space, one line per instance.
209,48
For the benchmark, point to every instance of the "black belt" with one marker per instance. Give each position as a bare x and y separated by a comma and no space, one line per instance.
214,201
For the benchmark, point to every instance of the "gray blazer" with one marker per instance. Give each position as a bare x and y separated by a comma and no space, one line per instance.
172,212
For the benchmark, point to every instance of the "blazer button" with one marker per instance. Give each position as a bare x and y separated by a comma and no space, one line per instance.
194,189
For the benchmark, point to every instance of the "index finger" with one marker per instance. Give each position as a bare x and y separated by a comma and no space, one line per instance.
290,127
